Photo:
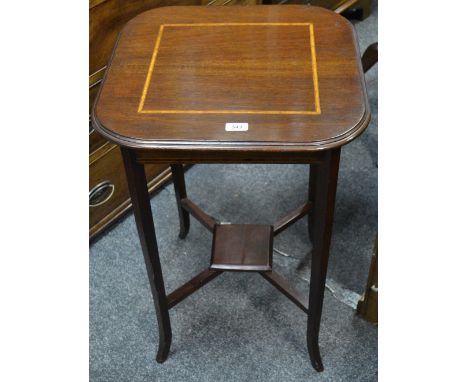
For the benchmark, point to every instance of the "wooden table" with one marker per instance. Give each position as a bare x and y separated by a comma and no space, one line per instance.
268,84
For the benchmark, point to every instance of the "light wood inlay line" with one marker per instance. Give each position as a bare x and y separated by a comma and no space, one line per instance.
155,53
235,24
150,70
228,112
314,68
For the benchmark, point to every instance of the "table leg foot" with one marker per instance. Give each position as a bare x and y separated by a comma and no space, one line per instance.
165,331
183,231
314,354
163,352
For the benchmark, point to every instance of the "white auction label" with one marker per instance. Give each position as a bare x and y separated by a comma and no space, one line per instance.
237,126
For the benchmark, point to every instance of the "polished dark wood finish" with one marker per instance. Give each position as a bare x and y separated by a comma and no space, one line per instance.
324,205
169,91
284,287
180,193
226,155
311,196
178,91
370,56
145,225
191,286
291,218
205,219
242,247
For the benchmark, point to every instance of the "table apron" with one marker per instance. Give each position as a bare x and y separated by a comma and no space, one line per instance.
146,156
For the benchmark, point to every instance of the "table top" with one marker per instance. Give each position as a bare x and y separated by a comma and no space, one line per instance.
234,78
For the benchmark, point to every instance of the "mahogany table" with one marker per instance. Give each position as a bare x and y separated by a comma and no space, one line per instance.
260,84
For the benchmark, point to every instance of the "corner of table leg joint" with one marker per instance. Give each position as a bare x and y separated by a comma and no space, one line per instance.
242,247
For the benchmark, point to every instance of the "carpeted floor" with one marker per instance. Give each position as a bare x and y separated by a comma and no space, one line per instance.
239,328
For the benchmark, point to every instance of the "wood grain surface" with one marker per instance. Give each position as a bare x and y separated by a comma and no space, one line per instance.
179,74
242,247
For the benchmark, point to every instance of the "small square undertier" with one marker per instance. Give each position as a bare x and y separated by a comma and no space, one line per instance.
242,247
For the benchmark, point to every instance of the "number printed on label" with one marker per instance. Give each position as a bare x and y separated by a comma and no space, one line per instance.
237,126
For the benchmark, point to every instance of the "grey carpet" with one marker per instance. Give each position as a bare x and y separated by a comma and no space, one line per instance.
238,327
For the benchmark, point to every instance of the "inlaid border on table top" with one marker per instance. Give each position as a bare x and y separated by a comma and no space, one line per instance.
155,53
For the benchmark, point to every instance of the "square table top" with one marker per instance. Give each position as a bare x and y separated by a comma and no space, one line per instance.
234,78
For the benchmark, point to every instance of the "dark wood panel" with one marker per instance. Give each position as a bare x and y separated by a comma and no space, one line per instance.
96,140
242,247
93,91
106,166
215,156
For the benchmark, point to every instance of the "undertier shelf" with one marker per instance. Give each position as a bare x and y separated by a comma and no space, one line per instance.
242,247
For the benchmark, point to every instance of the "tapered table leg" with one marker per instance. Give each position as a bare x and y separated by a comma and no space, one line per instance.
312,190
137,185
326,175
180,193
